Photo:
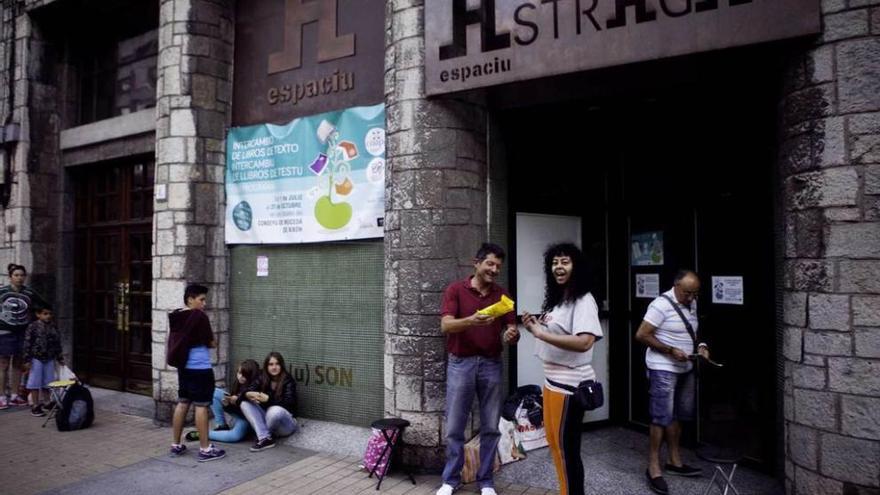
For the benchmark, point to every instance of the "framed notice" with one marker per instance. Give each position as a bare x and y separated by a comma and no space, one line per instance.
647,285
727,290
315,179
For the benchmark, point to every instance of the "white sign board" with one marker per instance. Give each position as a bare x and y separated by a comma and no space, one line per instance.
262,266
648,285
727,290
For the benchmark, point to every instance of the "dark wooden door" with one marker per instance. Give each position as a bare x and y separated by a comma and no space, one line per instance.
113,274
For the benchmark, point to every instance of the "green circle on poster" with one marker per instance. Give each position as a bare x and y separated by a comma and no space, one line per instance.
243,216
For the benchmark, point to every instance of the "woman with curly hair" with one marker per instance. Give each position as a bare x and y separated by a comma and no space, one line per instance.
565,335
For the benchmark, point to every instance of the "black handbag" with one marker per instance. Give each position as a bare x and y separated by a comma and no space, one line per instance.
589,394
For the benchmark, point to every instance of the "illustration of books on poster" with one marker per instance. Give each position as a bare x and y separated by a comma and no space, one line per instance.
334,162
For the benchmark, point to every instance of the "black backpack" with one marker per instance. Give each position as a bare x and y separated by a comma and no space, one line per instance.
77,409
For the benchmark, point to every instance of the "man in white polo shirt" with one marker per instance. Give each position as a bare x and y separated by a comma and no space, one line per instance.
670,373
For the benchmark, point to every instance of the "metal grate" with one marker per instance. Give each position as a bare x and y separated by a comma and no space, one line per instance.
321,307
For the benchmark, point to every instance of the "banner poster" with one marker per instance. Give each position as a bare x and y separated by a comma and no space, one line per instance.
647,249
315,179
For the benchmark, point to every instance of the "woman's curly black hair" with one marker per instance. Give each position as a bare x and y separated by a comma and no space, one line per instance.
579,282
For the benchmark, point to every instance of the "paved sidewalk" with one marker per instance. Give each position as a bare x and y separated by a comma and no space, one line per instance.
127,454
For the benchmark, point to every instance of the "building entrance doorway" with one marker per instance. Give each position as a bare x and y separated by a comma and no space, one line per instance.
676,177
113,274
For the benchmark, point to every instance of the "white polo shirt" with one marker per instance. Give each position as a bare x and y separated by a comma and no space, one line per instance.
670,331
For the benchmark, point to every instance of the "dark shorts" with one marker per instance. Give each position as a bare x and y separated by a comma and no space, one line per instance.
195,386
672,397
11,343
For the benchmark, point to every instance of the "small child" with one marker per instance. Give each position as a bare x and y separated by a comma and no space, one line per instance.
42,347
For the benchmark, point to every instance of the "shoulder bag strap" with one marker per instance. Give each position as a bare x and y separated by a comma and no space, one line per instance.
687,324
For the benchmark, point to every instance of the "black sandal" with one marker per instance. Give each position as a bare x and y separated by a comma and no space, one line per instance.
658,484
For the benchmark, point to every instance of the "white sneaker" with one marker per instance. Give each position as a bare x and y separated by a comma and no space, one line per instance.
487,490
5,405
445,490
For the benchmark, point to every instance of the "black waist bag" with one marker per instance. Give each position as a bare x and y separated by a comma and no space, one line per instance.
589,393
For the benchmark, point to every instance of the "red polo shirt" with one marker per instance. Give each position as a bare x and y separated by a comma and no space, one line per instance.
461,300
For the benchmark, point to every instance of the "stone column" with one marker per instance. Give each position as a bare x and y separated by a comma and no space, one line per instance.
193,111
830,164
435,209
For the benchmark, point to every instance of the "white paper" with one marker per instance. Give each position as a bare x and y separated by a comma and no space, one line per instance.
648,285
262,266
727,290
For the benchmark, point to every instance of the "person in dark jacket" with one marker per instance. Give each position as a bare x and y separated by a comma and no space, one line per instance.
189,341
42,347
270,409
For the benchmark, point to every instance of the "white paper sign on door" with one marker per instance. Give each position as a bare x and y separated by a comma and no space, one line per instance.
648,285
262,266
727,290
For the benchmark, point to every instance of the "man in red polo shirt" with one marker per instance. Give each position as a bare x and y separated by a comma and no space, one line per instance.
473,342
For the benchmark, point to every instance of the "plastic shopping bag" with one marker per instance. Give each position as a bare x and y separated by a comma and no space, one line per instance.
64,373
509,447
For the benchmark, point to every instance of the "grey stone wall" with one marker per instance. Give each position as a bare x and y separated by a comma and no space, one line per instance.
435,220
193,112
830,162
30,222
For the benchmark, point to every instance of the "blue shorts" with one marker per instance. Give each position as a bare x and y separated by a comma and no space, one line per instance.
671,397
41,374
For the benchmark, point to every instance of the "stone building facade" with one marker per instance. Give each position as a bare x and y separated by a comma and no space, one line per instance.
828,158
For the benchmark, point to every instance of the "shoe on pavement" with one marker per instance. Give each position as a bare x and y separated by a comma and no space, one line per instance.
445,490
3,403
658,484
223,427
488,490
266,443
37,411
683,470
177,450
17,401
212,454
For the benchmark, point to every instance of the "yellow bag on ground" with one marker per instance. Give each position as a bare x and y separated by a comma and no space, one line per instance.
502,307
472,461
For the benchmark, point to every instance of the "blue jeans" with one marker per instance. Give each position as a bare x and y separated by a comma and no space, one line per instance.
671,397
238,429
273,422
466,377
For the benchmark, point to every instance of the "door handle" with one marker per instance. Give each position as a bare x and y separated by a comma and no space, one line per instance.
122,293
127,292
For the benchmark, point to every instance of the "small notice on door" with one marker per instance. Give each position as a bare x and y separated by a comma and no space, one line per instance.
262,266
727,290
648,285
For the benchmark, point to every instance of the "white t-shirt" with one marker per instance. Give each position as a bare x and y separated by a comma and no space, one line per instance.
670,331
564,366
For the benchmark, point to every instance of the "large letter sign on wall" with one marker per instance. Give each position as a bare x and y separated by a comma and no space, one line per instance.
477,43
303,57
319,178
